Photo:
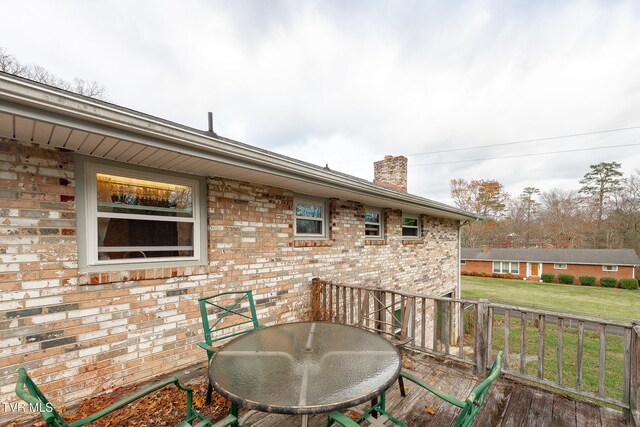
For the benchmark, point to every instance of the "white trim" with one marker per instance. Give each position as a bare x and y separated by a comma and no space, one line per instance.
615,268
380,223
417,227
324,222
501,269
91,215
557,264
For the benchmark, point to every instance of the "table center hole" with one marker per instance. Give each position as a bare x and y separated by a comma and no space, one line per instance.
308,350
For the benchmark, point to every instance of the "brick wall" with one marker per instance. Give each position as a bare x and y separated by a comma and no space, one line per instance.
589,270
80,334
577,270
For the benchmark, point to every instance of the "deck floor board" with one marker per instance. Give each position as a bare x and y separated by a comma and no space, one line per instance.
509,403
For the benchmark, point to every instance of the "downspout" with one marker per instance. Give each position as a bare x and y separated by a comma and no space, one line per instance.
459,285
458,293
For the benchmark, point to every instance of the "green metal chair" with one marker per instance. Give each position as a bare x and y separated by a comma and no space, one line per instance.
27,390
474,401
376,416
232,313
470,407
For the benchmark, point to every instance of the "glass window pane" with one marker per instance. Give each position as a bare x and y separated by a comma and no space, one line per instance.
308,226
372,217
410,221
409,232
136,196
514,268
135,238
309,211
371,230
496,266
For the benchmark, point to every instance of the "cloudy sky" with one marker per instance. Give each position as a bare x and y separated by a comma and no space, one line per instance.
346,82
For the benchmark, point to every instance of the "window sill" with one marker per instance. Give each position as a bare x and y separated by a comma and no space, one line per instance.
375,242
116,274
409,242
312,243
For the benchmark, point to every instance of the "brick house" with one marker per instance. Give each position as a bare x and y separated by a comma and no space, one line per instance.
532,263
114,222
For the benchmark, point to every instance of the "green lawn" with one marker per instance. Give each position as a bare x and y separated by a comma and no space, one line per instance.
612,303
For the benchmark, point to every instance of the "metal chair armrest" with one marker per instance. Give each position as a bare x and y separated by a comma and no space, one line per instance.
341,419
207,347
227,421
438,393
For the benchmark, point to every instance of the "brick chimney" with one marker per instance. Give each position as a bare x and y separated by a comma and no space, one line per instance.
485,249
391,173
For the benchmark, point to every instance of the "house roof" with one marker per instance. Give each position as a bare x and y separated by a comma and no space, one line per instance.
562,256
45,115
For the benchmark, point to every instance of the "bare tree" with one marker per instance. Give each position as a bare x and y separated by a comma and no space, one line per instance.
561,218
9,64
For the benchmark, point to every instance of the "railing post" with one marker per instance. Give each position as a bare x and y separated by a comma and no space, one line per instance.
633,416
316,300
481,336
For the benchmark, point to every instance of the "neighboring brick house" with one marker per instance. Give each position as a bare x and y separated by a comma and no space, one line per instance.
532,263
113,223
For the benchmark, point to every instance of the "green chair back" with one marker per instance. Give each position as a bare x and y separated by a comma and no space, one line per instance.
226,315
28,391
475,399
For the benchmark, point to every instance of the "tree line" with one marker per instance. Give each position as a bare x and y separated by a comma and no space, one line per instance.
603,212
9,64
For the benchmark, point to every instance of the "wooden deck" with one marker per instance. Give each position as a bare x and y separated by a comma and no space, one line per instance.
509,403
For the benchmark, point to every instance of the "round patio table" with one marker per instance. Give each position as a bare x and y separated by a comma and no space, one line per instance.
304,368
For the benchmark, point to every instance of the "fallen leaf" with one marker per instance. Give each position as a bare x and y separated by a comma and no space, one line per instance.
430,410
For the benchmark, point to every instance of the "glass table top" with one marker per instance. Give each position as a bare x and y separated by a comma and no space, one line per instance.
304,368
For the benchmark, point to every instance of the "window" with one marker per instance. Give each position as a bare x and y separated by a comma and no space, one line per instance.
397,321
561,266
463,261
609,268
310,218
505,267
373,227
410,226
137,216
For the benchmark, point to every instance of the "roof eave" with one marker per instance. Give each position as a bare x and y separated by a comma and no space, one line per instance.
55,105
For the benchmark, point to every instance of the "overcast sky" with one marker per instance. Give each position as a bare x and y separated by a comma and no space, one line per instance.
347,82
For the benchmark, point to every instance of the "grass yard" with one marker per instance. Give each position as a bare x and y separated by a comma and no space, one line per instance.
612,303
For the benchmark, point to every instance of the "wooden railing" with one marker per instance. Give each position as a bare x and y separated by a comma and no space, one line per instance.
593,358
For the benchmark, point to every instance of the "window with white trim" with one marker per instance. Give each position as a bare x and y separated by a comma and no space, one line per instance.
463,261
506,267
310,218
137,216
560,266
410,226
373,224
609,268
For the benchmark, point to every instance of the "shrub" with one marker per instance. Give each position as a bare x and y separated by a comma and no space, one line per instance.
629,283
608,282
567,279
587,280
547,277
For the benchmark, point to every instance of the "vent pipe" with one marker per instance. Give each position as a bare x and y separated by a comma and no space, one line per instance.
210,117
